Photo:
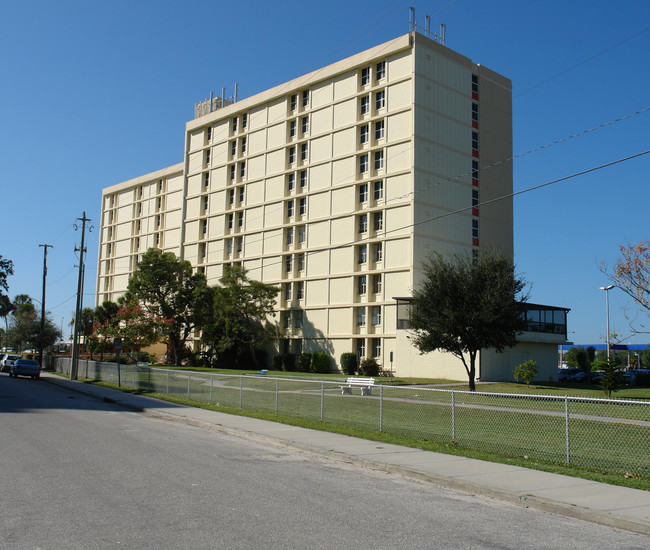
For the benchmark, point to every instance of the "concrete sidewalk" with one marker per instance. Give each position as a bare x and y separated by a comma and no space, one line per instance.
609,505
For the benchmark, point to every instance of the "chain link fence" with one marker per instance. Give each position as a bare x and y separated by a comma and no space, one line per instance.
602,434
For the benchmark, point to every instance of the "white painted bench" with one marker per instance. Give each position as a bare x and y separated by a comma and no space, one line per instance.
365,384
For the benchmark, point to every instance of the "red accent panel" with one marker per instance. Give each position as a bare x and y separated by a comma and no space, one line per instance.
475,182
474,241
475,153
475,95
475,124
475,212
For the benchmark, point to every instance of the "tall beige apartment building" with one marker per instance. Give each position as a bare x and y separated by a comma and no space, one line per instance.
334,187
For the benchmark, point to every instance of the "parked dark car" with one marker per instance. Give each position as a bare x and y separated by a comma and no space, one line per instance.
26,367
564,375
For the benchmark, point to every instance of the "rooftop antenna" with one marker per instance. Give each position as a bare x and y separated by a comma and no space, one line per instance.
440,36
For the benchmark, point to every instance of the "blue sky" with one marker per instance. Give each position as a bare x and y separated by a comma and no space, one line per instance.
94,94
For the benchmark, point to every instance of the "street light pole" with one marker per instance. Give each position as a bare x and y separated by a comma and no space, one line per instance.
607,289
42,332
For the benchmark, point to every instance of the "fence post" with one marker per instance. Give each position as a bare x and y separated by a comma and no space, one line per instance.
381,408
453,415
189,377
566,422
211,384
322,400
241,391
167,381
277,391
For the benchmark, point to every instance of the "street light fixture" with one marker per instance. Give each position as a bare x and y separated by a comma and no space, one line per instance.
607,289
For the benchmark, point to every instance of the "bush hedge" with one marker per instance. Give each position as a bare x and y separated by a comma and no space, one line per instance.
320,362
349,363
304,362
369,367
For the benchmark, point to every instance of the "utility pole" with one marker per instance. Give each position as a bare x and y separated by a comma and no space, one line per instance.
77,317
42,334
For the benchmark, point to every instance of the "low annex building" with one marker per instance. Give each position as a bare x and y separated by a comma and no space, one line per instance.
334,187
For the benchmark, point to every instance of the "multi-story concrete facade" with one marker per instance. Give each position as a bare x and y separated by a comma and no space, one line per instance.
334,187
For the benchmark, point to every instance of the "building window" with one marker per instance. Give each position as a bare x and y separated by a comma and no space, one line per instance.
475,83
379,160
242,169
241,195
287,292
475,229
365,105
376,284
297,319
240,244
305,98
361,316
364,134
378,221
379,190
475,111
292,129
474,198
232,172
291,182
234,124
294,102
288,263
243,145
376,347
302,233
303,152
289,209
292,155
363,193
240,219
362,285
362,254
474,140
286,319
229,246
206,180
305,124
302,206
205,204
363,164
231,197
380,72
379,252
244,120
233,148
289,236
207,157
300,290
204,228
380,100
365,76
303,179
363,223
379,130
475,169
376,315
300,262
231,220
361,348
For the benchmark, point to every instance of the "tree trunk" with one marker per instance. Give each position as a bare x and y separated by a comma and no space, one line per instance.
472,371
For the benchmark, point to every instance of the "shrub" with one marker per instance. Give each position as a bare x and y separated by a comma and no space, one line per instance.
527,371
609,379
349,363
289,362
304,362
277,362
369,367
320,362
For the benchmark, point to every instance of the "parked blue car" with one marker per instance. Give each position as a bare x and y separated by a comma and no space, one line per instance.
25,367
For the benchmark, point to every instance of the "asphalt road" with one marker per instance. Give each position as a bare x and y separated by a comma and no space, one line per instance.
80,473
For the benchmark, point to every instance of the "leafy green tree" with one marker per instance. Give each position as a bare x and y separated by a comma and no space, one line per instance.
240,317
527,371
609,380
25,326
6,307
466,304
645,358
6,270
167,289
577,357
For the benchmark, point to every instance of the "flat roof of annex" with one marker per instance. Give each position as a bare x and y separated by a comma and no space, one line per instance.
174,170
386,49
